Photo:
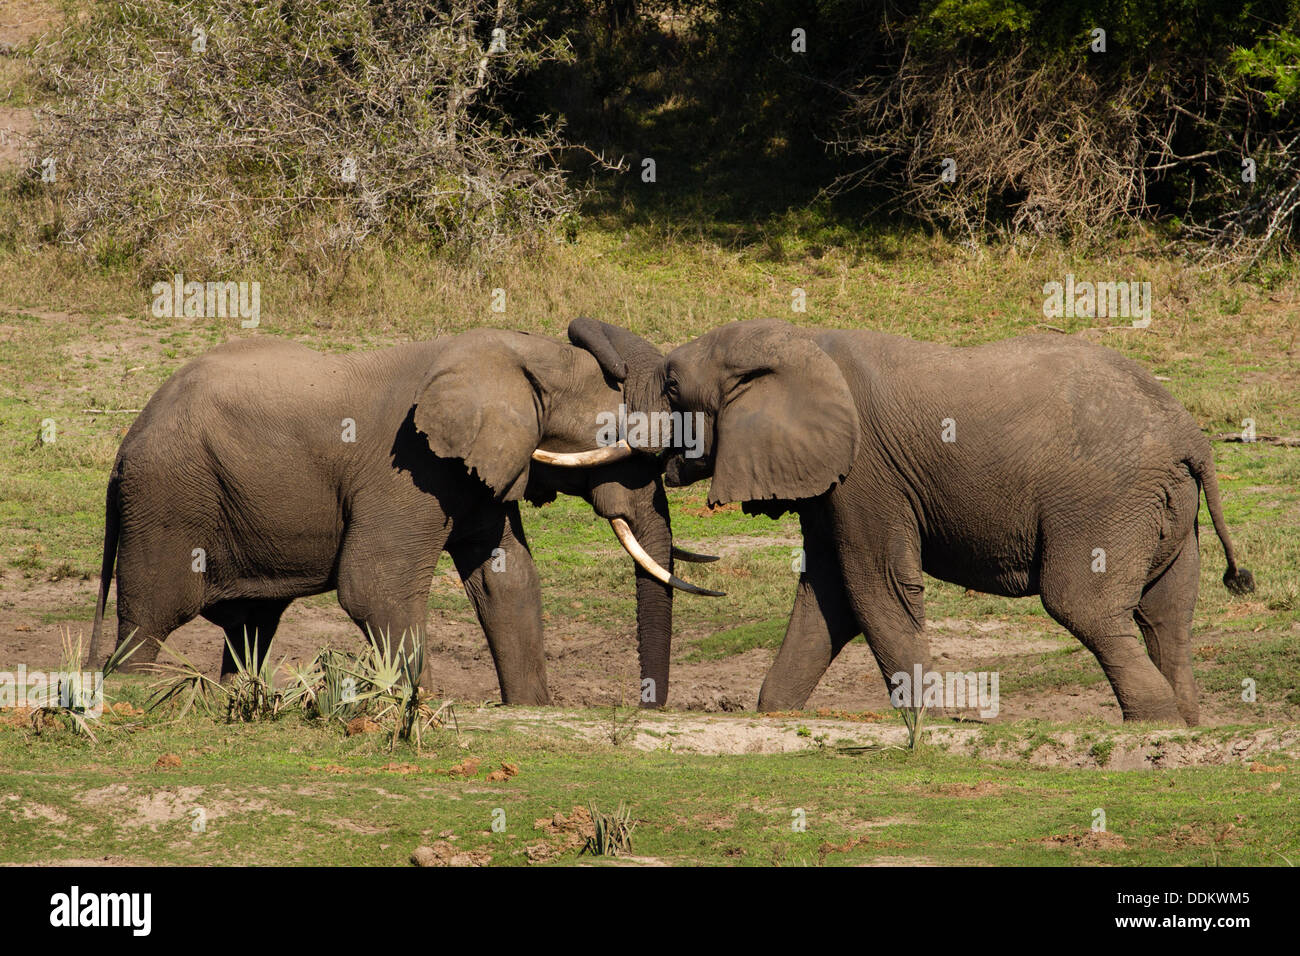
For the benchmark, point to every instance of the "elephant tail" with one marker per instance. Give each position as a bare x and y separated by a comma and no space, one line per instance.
112,525
1235,579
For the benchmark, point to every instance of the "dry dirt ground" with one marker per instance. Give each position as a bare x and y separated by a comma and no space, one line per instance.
585,667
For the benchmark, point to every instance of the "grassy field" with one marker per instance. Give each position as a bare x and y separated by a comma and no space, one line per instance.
80,351
76,340
193,792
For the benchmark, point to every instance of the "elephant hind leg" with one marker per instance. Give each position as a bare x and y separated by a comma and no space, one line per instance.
147,640
384,588
1165,616
146,618
1092,606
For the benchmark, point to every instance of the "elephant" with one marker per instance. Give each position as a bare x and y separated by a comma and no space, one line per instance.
1039,465
263,471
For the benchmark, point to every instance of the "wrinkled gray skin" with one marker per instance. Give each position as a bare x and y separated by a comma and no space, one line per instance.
241,454
1062,448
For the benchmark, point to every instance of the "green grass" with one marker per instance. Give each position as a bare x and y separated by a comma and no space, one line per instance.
269,796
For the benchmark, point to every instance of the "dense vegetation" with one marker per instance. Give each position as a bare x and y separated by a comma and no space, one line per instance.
225,132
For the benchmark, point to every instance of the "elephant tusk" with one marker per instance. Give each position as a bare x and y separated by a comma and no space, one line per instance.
648,564
584,459
681,554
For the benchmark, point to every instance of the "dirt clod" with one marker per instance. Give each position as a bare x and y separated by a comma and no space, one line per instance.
442,853
466,768
361,725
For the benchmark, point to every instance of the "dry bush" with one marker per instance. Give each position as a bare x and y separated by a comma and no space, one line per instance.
1040,148
289,132
1044,147
1231,119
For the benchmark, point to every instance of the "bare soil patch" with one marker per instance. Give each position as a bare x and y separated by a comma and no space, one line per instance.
16,125
588,667
23,20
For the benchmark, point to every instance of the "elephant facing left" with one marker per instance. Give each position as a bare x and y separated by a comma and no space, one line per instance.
263,471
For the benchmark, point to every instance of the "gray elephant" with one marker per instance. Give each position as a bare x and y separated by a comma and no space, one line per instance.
1038,465
263,471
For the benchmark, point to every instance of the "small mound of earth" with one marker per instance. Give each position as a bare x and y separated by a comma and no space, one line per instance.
1087,840
442,853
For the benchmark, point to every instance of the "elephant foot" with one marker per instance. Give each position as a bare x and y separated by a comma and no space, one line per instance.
527,700
1159,714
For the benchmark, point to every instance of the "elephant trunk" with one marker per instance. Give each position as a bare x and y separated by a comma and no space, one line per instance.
654,602
625,356
639,512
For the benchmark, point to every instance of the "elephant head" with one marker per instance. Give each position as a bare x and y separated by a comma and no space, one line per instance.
779,421
529,416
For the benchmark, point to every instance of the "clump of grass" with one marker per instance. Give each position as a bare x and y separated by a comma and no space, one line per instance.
251,694
912,720
329,686
70,701
613,832
622,729
382,682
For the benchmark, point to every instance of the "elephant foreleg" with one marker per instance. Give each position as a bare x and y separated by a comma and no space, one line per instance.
501,582
821,623
886,589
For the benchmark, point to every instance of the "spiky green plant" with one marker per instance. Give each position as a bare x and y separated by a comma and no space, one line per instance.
912,718
381,681
70,700
329,687
394,676
613,832
249,696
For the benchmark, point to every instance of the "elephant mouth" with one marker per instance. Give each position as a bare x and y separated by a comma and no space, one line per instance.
681,471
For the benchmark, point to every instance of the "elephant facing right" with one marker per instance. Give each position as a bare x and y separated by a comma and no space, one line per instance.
1037,465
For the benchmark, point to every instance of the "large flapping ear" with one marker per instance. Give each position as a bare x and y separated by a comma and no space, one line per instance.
479,403
787,425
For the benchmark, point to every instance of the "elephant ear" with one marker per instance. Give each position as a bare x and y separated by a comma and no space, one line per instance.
479,403
787,428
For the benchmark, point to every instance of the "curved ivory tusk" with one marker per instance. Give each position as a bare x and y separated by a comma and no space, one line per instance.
681,554
648,564
583,459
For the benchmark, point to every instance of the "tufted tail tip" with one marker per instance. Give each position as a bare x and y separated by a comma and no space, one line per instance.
1239,581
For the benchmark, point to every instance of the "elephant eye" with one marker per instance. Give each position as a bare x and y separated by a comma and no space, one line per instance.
670,388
